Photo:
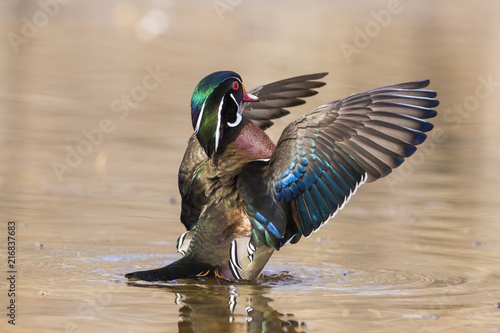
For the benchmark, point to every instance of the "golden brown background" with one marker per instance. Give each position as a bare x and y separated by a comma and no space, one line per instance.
418,251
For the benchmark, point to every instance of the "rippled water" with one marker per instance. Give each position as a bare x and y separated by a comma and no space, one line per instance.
416,252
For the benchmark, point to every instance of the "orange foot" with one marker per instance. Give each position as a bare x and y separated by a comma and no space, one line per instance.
217,275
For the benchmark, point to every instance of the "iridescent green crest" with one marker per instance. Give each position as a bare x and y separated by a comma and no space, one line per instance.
215,107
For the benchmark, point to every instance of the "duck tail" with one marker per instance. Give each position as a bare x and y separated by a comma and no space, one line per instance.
180,269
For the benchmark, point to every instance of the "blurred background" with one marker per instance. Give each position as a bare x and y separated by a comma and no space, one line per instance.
94,121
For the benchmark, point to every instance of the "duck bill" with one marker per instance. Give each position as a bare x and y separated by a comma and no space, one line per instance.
249,97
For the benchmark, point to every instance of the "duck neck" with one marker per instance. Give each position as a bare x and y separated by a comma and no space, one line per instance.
244,144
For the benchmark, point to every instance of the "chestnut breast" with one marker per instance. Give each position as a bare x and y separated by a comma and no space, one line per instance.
253,143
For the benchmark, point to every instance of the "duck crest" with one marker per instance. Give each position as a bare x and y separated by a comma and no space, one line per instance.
216,108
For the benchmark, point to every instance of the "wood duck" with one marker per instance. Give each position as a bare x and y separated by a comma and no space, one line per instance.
243,197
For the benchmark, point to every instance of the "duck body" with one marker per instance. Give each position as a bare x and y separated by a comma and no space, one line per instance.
243,197
226,210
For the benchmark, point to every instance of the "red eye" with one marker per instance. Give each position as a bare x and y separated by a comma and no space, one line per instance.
236,85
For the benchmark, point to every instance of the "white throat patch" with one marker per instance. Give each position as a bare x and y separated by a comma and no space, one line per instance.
238,114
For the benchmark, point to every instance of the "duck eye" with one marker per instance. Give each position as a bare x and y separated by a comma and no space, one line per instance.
236,85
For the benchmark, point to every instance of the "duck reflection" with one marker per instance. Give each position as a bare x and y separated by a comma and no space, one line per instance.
216,306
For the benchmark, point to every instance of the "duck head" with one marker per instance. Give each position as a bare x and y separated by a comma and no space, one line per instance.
216,108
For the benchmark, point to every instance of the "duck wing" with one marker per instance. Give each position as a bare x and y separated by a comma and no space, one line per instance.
192,183
323,157
275,97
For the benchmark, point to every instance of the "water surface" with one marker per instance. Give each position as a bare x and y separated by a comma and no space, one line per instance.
415,252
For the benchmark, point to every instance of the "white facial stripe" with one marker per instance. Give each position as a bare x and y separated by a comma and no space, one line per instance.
235,102
217,131
238,114
236,122
198,122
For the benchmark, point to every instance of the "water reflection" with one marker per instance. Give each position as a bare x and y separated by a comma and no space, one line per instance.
211,305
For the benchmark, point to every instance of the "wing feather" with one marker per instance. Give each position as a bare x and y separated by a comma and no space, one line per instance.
192,183
323,157
275,97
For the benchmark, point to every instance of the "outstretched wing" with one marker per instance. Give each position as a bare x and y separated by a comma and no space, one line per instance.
276,96
273,98
323,157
